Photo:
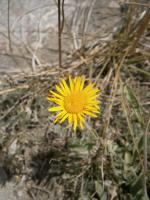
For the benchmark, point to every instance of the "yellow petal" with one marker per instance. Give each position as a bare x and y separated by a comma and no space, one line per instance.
70,119
60,90
80,117
57,95
81,125
57,101
93,92
82,84
71,83
66,88
75,121
60,115
63,119
81,120
96,106
93,97
56,108
77,84
62,86
90,113
92,108
75,79
88,87
93,102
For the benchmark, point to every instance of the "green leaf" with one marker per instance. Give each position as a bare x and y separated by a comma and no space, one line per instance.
128,159
100,191
134,104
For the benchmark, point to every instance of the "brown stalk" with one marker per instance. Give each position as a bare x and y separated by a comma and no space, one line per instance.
144,24
60,28
8,23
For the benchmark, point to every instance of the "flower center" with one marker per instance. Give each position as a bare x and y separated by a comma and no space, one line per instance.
74,103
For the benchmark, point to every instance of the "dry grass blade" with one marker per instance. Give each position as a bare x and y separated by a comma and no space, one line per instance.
146,157
14,89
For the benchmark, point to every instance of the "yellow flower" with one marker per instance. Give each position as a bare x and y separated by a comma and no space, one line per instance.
74,101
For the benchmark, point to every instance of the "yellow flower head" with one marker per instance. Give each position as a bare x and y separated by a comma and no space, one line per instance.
74,101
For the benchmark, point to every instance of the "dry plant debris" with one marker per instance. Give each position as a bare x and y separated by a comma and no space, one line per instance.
111,160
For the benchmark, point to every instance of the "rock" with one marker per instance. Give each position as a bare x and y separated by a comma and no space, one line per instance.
33,30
